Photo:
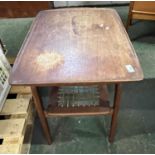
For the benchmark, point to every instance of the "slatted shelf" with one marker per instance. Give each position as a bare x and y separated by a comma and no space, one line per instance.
79,100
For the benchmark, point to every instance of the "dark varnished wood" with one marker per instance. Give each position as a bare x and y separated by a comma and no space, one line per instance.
18,9
142,10
144,7
53,96
116,107
104,96
129,21
79,111
86,46
91,42
39,108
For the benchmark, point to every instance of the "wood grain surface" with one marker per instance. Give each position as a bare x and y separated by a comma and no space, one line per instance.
21,9
76,46
145,6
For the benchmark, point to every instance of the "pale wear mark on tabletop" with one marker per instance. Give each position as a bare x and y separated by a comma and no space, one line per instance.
86,25
101,25
107,28
49,60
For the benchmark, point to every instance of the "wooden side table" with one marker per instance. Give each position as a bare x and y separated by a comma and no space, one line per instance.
141,10
83,47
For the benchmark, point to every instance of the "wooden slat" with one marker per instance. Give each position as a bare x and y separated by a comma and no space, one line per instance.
144,6
24,96
8,140
143,16
12,136
77,111
20,90
15,106
11,146
143,12
11,128
10,149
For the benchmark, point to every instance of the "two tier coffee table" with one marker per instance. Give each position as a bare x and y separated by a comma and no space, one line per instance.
76,52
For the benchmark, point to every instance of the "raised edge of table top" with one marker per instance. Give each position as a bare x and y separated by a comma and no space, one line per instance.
89,44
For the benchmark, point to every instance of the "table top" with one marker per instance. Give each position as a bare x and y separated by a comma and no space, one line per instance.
76,46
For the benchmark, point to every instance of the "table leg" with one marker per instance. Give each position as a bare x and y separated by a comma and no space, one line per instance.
40,111
130,14
116,107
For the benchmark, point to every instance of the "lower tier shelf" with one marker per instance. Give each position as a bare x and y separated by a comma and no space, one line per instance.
78,100
77,111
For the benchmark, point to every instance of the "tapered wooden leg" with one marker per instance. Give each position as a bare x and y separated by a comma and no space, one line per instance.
40,111
129,20
116,107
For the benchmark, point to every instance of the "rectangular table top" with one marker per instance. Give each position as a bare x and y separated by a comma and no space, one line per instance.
76,46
